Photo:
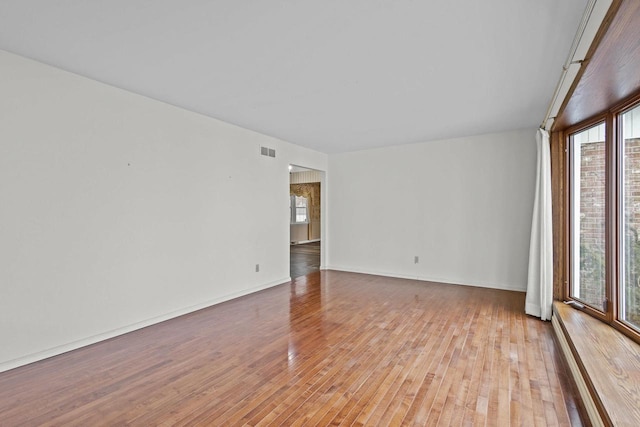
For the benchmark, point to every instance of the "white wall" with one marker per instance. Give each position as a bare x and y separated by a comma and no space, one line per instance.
117,211
463,206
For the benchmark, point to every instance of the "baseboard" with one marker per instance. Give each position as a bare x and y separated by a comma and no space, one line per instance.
587,399
55,351
302,242
425,278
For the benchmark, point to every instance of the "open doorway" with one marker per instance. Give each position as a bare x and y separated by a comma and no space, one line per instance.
305,210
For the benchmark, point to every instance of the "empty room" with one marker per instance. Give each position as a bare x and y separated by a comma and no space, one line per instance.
377,213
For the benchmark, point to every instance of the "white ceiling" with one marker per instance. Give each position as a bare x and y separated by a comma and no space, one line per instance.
332,75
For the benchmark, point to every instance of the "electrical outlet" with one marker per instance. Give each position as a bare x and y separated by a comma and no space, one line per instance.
257,268
416,259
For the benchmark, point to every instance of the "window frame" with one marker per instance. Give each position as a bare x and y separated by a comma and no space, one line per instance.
293,210
614,221
603,315
617,113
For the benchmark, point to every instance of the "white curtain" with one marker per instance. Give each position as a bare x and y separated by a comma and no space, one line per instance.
540,281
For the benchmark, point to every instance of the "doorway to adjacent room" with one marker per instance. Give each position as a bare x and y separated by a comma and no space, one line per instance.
305,221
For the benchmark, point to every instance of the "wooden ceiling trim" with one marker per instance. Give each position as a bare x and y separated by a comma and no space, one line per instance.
611,70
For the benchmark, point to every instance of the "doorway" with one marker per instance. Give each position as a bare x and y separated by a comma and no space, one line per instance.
305,231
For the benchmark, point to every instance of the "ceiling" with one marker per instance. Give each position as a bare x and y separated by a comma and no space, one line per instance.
330,75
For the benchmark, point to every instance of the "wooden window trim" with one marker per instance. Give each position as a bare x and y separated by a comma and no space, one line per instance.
615,112
594,121
562,197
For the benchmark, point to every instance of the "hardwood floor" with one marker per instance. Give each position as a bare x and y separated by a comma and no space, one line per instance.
304,259
330,348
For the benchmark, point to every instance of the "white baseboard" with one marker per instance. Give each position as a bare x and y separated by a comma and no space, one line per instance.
45,354
302,242
425,278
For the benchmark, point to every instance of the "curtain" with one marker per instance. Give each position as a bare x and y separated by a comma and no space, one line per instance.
540,278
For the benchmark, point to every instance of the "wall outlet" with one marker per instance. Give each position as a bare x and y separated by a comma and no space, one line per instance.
257,268
416,259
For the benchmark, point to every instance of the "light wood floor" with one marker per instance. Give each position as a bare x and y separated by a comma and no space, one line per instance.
330,348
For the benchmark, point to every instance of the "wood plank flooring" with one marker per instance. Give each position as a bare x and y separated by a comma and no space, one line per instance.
330,348
304,259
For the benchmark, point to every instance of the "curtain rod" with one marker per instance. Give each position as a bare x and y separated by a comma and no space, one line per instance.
586,16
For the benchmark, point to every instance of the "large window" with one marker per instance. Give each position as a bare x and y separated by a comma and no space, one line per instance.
629,292
604,218
588,166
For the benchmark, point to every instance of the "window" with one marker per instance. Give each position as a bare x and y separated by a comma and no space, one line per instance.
604,218
299,210
629,292
588,172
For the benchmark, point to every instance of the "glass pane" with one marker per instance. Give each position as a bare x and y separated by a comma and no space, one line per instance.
630,283
588,216
301,214
301,202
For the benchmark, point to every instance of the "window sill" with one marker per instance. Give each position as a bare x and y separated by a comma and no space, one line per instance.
605,365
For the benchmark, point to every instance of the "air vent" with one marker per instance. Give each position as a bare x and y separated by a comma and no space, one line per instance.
269,152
